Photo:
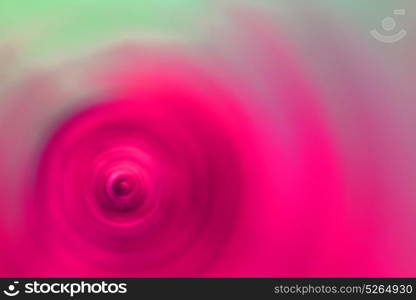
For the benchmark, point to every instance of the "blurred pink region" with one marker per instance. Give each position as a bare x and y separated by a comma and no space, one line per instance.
213,182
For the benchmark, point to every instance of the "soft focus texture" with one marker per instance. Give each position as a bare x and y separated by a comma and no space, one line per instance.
206,138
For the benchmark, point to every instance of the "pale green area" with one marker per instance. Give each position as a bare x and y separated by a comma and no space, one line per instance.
62,26
56,24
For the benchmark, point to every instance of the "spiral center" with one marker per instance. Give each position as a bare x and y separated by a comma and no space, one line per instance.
122,187
125,190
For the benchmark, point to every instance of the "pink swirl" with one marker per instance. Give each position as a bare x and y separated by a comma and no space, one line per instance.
198,160
147,180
